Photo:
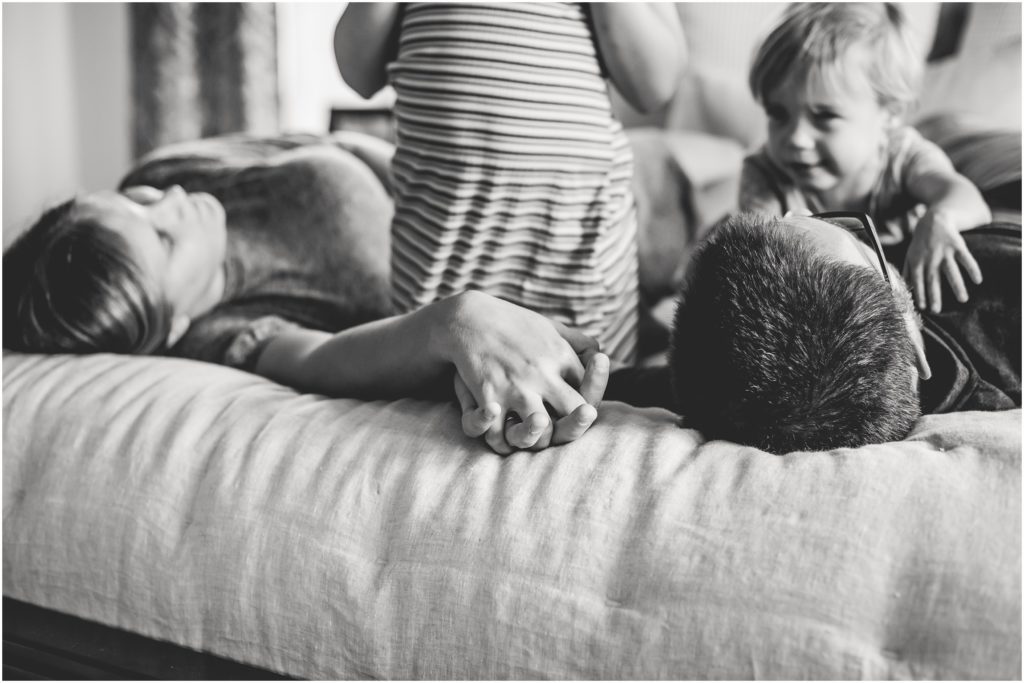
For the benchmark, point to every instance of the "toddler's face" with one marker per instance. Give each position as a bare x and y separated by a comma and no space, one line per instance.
827,133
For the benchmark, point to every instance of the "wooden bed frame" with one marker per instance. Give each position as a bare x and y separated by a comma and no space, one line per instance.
44,644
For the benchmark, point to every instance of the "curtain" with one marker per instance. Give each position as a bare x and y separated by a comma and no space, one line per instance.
202,69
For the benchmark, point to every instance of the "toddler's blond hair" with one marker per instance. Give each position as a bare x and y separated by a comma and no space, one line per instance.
816,38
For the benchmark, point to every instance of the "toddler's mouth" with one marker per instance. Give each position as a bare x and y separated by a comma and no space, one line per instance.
803,166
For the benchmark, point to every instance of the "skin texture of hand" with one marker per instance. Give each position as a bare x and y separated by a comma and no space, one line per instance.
511,360
937,250
537,431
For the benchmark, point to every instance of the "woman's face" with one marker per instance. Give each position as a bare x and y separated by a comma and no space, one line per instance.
179,240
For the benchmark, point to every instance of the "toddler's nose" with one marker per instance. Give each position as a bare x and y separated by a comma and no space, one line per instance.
801,135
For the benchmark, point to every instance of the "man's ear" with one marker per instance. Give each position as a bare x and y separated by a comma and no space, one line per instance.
924,370
179,326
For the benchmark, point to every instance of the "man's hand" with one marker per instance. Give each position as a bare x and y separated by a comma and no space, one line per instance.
938,249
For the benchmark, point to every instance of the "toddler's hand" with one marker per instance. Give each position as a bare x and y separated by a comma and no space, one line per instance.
937,247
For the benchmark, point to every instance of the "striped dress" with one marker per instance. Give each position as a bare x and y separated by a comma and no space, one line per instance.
511,174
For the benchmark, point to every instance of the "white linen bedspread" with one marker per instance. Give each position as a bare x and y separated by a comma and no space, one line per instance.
346,539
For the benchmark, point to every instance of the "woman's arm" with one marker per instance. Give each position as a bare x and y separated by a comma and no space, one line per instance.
644,49
505,354
365,41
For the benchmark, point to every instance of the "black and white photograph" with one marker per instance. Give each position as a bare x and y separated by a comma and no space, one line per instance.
511,340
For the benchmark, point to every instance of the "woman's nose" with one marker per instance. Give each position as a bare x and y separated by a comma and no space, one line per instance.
174,192
168,210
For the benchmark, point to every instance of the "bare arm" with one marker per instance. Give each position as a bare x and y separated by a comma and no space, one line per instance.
506,355
365,41
643,46
951,193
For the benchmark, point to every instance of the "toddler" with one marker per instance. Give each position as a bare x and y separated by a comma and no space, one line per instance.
836,81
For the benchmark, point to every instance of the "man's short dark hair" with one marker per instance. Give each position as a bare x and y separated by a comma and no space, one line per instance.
71,285
781,348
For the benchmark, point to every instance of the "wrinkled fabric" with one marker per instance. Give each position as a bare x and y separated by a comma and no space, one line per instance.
336,538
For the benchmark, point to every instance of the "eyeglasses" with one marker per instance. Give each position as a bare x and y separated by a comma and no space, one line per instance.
861,225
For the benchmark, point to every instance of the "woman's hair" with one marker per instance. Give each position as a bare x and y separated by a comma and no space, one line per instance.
815,38
779,347
72,285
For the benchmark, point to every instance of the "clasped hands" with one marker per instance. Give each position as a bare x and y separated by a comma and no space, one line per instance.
522,381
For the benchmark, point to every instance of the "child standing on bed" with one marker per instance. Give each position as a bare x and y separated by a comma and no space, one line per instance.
836,81
511,174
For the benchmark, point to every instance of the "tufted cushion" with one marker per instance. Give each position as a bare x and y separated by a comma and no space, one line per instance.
345,539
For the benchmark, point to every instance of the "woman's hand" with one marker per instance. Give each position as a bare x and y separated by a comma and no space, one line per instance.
477,421
937,249
514,363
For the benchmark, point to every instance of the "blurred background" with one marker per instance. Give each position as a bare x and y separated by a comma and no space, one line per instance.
89,87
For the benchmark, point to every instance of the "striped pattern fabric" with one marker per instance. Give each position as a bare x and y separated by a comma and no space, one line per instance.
511,174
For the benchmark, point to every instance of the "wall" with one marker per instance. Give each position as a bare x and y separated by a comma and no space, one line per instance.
65,104
66,95
308,74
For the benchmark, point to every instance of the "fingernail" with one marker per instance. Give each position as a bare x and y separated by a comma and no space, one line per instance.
587,413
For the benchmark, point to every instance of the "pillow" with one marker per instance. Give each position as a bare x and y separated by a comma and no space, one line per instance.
984,77
989,157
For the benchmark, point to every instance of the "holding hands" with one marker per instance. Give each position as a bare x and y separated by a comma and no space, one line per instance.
937,250
512,365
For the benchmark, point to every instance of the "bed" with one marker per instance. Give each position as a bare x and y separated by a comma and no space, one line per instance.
212,511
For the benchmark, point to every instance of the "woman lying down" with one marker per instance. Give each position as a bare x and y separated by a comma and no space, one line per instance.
273,257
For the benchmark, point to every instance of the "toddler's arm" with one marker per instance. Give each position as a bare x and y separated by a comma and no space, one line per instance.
365,41
644,49
507,355
936,248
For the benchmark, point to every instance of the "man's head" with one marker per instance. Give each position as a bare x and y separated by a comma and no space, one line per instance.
788,338
113,272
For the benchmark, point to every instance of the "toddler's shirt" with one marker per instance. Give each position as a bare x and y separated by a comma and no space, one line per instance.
766,187
511,174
